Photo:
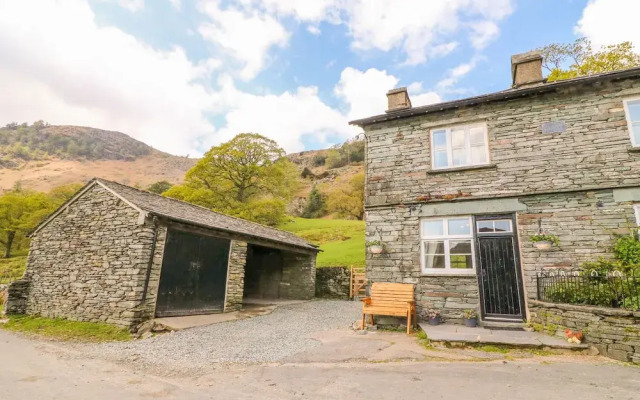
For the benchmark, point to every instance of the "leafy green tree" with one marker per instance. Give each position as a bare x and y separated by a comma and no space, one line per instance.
21,211
348,202
316,204
335,159
571,60
241,177
159,187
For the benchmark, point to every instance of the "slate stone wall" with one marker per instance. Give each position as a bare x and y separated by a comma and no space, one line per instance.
90,262
235,275
148,309
592,152
333,282
298,276
615,332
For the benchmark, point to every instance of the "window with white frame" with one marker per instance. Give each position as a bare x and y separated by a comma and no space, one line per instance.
637,208
632,111
447,246
459,146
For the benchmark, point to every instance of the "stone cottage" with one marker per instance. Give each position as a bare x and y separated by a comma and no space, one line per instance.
455,190
121,255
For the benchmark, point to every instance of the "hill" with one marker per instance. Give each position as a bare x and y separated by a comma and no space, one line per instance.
42,156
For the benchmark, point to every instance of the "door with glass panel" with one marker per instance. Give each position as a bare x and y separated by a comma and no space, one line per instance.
499,275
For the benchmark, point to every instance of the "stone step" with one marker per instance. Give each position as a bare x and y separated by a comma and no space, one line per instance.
502,325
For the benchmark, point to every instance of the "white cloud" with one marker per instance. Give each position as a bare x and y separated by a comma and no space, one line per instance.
455,74
131,5
314,30
610,22
365,92
177,4
484,32
286,118
246,35
58,65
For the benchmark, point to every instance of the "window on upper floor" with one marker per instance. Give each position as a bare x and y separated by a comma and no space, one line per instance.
632,110
447,246
459,146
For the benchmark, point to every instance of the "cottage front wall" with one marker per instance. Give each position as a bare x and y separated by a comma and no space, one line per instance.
579,184
89,263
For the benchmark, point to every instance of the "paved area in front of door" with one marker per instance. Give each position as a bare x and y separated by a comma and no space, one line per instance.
452,333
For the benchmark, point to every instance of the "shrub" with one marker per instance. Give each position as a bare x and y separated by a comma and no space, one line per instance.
627,249
335,159
319,160
316,205
306,172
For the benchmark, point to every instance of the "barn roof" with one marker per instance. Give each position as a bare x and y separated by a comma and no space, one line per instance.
187,213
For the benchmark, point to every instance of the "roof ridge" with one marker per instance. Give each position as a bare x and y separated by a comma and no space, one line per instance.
201,207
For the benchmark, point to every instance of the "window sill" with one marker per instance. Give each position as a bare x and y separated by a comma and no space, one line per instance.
634,149
462,169
470,274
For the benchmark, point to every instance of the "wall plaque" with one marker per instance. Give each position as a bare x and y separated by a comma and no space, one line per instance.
554,127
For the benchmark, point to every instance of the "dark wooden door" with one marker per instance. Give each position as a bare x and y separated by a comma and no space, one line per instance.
499,277
193,278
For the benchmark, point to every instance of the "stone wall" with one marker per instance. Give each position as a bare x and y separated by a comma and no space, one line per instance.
235,280
17,297
582,221
90,262
592,152
298,276
614,332
148,308
333,282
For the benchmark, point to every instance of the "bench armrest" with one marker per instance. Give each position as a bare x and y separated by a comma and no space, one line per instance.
366,300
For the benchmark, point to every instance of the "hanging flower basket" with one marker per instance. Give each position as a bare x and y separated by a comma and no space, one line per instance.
375,247
544,242
543,245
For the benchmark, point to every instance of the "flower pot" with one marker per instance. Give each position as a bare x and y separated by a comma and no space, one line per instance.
376,249
543,245
434,320
471,322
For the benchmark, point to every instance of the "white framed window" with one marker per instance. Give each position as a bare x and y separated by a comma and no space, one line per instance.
459,146
447,246
636,207
632,111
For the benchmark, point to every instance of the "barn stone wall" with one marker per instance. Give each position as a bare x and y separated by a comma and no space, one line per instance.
298,276
90,262
235,280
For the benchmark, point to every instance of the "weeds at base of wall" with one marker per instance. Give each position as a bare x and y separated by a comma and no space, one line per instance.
423,339
66,330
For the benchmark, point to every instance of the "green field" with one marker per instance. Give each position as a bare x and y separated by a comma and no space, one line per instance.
12,267
341,241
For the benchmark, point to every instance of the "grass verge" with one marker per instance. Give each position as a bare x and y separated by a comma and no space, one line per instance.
341,241
12,267
62,329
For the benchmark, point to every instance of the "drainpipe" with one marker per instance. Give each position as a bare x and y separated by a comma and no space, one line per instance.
150,263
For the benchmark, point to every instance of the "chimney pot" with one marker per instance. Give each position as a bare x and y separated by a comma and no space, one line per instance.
398,99
526,69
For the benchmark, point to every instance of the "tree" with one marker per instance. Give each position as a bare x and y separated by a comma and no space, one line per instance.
159,187
348,202
316,204
248,171
21,211
566,61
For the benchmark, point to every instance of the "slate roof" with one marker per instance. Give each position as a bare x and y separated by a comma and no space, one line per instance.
188,213
503,95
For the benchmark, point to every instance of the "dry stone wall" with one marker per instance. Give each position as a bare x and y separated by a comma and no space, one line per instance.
90,262
333,282
615,332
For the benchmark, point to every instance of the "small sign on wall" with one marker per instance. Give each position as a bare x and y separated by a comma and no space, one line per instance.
554,127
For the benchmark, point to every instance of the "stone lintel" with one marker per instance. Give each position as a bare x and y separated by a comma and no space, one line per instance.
487,206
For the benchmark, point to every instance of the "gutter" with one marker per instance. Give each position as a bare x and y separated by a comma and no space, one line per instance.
497,96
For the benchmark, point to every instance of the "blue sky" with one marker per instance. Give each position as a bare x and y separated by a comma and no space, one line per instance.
185,75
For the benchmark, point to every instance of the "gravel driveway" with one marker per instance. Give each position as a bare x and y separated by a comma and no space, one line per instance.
267,338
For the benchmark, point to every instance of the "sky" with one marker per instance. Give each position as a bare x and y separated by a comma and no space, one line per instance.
183,75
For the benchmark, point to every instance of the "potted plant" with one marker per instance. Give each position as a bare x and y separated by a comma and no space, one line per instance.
375,246
434,316
470,318
543,241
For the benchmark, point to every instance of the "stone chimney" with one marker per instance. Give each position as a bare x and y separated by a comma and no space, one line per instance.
526,69
398,99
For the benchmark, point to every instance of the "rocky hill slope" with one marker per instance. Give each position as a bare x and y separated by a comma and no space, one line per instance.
41,157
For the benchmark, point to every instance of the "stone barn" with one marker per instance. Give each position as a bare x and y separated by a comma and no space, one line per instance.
121,255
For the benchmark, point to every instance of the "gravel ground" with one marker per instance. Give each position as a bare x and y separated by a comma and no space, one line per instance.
263,339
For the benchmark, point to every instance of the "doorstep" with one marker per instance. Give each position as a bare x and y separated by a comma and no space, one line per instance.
462,334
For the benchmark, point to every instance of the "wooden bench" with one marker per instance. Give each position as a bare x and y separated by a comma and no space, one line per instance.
395,299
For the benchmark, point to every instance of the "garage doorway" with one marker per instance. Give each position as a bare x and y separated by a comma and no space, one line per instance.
263,273
193,279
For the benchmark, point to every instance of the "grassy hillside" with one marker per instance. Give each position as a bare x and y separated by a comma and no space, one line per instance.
342,241
12,267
